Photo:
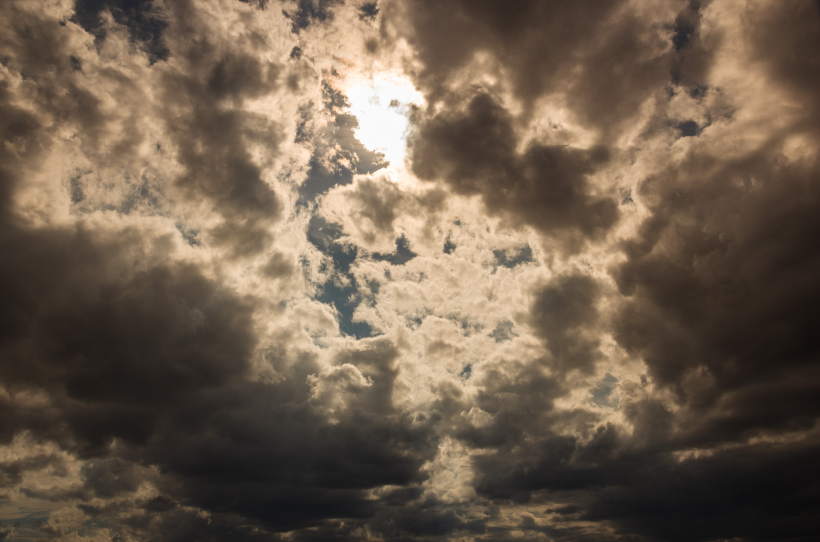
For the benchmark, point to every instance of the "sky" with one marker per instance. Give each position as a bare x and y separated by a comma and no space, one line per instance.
409,270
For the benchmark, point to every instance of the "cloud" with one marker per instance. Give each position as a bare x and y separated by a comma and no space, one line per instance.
546,187
153,366
562,314
582,309
538,49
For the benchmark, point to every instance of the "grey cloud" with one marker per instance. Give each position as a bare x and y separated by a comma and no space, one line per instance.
143,361
44,52
474,152
211,143
279,266
693,57
743,314
563,313
199,95
11,472
575,48
17,125
378,202
170,247
717,285
88,345
159,360
787,40
656,497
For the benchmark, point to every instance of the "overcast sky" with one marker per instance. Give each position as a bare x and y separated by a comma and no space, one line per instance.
417,270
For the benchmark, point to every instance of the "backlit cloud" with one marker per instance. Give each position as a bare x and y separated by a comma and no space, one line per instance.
409,270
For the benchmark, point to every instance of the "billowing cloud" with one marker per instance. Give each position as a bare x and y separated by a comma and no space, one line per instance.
570,297
545,186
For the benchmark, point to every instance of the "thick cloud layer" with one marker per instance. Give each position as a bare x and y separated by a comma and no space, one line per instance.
582,308
545,186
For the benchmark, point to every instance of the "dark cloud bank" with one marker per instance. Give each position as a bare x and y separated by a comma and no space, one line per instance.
133,352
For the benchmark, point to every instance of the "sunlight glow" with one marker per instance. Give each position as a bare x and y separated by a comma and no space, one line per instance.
381,107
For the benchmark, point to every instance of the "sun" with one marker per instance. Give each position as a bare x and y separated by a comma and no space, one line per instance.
381,106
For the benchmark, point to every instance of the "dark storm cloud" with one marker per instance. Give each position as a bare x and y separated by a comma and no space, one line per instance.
212,135
761,492
720,288
159,360
743,314
718,285
39,50
736,329
11,472
787,39
265,452
519,395
577,48
158,352
289,468
73,307
563,314
142,365
22,125
475,152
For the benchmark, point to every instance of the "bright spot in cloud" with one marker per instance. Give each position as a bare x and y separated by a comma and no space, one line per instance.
381,107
